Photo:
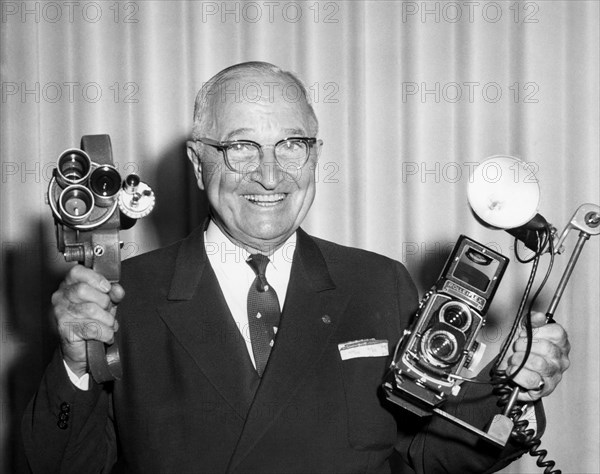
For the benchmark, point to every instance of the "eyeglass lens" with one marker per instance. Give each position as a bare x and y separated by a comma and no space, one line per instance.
287,153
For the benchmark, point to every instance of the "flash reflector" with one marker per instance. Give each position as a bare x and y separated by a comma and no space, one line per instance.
504,192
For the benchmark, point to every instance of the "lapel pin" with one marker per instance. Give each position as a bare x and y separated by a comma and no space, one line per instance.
326,319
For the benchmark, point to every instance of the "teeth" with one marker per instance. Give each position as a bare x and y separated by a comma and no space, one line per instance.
265,199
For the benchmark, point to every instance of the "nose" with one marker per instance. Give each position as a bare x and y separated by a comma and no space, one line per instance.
268,173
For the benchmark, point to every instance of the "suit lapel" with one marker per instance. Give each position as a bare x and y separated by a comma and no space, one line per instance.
197,315
312,310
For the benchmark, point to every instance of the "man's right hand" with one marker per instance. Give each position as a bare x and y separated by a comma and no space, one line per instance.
84,307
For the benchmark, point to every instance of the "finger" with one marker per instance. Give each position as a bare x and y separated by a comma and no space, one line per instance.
538,319
91,311
535,363
553,332
527,379
73,315
81,274
543,389
87,329
117,293
77,293
539,376
530,395
542,347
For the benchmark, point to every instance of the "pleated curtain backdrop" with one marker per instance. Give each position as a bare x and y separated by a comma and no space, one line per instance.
410,96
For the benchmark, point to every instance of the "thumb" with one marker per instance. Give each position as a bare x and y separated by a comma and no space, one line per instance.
538,319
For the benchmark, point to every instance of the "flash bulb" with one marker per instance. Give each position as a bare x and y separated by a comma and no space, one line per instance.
503,192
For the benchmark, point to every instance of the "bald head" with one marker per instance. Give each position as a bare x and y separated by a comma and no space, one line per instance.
252,82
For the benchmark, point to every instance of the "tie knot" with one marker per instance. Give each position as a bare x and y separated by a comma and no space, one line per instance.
258,262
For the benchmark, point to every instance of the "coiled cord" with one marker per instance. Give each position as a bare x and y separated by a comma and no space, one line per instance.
503,383
521,434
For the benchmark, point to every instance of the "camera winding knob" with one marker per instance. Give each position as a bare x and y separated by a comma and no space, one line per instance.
136,199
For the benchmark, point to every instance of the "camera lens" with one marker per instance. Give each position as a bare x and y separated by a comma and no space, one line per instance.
73,166
133,180
439,347
456,314
105,183
76,203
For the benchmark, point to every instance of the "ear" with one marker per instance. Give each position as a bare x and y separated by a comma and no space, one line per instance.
193,154
319,147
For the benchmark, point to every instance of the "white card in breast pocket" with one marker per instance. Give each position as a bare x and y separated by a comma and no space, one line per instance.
364,348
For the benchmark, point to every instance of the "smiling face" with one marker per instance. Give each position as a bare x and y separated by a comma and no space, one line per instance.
261,209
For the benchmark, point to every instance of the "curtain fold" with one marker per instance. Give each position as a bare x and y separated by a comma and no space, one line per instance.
410,96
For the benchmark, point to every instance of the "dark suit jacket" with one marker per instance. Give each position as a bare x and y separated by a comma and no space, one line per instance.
190,401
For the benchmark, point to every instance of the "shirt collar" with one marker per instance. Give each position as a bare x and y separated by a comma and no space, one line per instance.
216,242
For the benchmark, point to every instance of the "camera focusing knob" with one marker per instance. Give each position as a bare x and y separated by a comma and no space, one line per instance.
425,298
475,356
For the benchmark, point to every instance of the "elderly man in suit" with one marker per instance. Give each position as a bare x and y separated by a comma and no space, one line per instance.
230,338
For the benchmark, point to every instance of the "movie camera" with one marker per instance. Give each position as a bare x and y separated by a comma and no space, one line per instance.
90,204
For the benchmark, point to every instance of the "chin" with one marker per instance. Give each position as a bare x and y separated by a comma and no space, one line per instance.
270,232
273,235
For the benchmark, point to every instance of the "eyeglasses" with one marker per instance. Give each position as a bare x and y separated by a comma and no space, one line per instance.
243,156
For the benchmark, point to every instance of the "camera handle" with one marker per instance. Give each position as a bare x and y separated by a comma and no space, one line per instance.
587,220
104,360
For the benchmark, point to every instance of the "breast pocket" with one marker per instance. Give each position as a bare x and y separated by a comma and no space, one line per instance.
370,424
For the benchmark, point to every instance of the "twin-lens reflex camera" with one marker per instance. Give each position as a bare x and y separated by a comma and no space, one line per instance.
441,347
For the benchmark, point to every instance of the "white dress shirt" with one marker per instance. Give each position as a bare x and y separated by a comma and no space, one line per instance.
235,276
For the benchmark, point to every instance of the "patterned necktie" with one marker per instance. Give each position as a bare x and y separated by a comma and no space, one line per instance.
263,312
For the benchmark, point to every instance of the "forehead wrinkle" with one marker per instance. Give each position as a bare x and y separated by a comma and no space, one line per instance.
267,122
294,131
238,131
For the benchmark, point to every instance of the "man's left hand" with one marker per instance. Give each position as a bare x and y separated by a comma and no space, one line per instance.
548,359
